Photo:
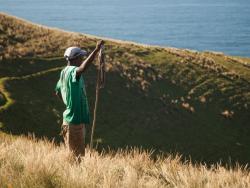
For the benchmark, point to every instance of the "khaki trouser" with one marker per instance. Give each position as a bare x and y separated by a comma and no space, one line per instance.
74,138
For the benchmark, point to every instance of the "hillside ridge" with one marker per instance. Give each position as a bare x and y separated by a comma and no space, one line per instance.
170,100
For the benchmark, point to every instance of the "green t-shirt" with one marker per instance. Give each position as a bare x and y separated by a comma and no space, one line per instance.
74,96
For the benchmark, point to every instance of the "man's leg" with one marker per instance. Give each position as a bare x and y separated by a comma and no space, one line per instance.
65,134
74,139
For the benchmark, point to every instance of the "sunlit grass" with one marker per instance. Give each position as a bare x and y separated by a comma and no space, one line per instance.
31,163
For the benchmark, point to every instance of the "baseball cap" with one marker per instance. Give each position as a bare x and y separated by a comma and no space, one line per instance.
73,52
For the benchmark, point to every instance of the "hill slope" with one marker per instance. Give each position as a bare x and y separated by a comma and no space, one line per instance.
171,100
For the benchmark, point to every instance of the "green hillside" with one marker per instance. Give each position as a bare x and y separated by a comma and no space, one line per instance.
166,99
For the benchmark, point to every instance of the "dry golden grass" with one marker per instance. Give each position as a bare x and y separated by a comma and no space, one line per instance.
25,162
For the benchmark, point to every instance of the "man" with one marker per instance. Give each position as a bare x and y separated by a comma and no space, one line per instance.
71,89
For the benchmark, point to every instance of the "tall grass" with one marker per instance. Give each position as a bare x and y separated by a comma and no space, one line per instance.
26,162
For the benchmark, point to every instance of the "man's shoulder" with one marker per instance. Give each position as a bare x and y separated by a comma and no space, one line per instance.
69,72
69,68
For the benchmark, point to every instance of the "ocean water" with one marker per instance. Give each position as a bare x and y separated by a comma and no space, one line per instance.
214,25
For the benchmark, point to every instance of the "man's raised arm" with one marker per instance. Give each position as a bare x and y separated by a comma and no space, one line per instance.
89,59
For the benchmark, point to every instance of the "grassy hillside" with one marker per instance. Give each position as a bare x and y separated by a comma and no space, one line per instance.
166,99
31,163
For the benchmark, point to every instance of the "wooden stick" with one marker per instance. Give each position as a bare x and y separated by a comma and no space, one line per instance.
95,109
101,61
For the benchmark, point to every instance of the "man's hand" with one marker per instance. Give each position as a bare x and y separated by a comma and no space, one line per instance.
59,95
99,45
89,59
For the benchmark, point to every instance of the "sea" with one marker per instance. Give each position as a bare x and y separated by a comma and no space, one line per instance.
211,25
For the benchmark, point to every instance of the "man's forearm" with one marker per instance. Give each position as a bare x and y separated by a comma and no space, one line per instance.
87,62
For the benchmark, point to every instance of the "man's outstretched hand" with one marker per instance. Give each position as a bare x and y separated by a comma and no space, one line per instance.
89,59
99,44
